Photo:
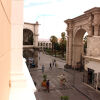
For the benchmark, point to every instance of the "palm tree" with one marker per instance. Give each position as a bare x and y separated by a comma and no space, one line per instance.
53,40
63,43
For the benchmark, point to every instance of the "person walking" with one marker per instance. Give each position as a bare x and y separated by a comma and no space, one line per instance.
43,68
54,62
50,66
39,57
47,84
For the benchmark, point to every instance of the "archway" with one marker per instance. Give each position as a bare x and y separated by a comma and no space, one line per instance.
27,37
78,48
76,29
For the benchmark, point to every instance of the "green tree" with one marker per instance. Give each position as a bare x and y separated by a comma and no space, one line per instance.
85,43
63,43
53,40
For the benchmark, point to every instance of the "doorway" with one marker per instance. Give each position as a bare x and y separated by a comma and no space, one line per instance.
90,75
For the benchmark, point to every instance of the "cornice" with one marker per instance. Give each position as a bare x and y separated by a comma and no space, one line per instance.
81,18
93,10
31,23
91,58
68,21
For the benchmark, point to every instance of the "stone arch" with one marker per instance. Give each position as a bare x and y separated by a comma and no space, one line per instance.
78,46
34,29
88,22
27,37
83,27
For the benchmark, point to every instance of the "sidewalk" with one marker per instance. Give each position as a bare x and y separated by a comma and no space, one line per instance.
83,88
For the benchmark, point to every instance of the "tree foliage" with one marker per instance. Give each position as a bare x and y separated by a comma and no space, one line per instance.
53,40
85,43
60,47
63,43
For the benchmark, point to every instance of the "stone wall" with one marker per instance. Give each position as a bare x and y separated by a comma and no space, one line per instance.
93,44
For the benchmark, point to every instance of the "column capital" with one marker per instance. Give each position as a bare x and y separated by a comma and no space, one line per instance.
69,29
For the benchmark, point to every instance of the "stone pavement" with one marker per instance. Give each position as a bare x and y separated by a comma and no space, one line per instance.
77,92
83,88
46,59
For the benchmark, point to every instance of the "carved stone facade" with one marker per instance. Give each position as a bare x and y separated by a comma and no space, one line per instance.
30,41
76,28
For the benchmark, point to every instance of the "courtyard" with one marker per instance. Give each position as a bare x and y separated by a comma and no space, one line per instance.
74,87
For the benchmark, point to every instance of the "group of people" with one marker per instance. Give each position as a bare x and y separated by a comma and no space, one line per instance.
53,64
50,66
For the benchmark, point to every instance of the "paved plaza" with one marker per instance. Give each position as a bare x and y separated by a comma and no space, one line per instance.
78,91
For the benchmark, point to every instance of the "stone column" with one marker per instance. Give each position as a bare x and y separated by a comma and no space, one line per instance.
67,50
90,22
36,34
17,75
96,23
69,23
36,56
90,30
96,30
70,47
16,36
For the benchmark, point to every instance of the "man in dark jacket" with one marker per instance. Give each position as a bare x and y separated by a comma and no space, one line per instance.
47,84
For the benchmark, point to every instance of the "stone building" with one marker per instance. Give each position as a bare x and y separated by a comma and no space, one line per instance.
30,42
44,44
76,28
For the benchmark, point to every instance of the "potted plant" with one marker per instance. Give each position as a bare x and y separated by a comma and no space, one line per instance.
44,77
64,98
44,80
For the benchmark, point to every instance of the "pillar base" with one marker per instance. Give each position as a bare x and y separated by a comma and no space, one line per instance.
67,66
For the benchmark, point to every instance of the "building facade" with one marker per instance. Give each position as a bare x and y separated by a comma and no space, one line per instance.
15,80
30,42
44,44
76,28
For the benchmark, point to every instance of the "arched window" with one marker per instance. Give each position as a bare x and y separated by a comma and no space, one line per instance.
27,37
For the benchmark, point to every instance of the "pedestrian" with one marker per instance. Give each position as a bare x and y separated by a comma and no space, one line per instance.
48,85
39,57
50,66
43,68
53,63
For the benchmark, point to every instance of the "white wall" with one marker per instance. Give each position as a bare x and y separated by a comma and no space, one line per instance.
5,49
93,65
16,36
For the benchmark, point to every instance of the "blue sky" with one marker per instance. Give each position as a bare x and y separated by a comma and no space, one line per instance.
52,13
